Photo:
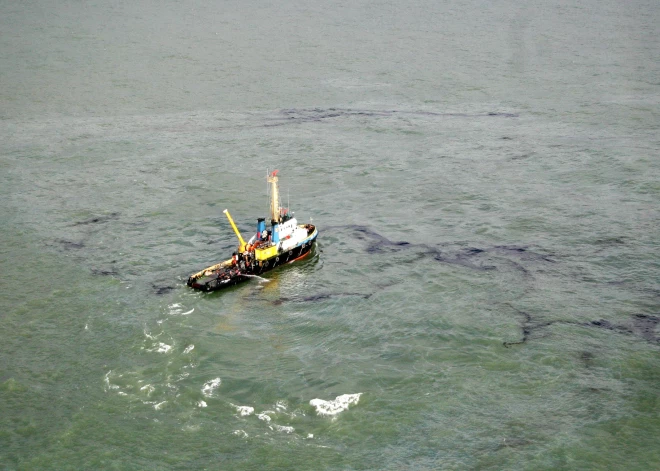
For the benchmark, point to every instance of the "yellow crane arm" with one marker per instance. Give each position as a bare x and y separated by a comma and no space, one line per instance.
241,247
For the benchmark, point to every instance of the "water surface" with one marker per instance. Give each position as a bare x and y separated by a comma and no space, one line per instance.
484,294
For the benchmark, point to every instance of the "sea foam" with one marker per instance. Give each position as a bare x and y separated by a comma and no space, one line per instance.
211,386
244,410
332,408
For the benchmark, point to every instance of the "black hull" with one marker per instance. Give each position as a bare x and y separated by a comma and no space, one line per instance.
226,277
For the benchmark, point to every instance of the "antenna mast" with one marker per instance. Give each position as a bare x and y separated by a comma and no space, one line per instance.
274,197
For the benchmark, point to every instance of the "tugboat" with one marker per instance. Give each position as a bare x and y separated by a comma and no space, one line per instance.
285,242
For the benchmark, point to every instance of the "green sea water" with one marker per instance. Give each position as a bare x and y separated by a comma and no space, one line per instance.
484,293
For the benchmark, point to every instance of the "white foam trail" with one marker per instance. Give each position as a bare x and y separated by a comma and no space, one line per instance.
211,386
189,349
264,417
340,404
281,405
176,309
106,380
263,280
244,410
149,388
159,405
284,428
149,336
162,348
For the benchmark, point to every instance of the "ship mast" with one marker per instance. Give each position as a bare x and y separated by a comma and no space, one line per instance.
274,197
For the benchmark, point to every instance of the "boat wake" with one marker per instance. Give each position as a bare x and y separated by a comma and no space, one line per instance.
260,278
